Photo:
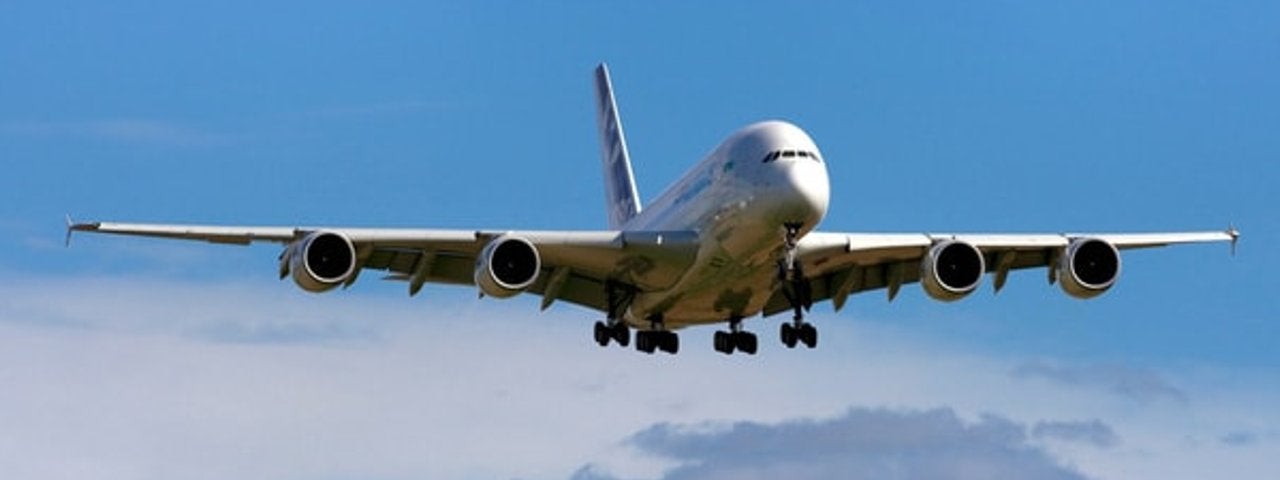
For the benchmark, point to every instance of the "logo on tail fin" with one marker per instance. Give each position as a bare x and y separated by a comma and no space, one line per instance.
621,199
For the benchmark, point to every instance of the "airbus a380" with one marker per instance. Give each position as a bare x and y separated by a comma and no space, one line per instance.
732,239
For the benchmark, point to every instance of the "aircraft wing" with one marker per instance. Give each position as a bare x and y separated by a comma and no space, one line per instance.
841,264
575,264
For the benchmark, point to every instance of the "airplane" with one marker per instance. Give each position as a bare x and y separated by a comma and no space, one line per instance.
732,239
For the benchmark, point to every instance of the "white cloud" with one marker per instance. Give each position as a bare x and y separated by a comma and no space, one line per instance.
1138,384
1238,439
862,443
140,378
1092,432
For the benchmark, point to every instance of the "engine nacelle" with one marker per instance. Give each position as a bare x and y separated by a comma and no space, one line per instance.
951,269
507,266
322,260
1088,267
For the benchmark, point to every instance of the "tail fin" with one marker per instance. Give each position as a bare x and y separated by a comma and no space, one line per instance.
621,200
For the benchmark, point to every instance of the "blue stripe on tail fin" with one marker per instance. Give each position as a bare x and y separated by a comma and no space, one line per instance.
621,200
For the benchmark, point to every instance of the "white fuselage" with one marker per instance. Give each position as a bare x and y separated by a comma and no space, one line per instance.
738,200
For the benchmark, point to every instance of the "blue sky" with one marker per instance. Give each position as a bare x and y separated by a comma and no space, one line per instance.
935,116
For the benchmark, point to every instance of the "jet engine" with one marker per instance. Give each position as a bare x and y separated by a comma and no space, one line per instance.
1088,267
322,260
951,269
507,266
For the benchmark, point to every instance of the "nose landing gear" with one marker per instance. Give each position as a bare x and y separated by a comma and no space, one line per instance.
797,290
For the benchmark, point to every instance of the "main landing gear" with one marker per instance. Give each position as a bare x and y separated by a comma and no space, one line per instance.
616,332
613,328
796,289
648,341
799,332
735,339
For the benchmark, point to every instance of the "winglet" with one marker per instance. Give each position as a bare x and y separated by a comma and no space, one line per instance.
1235,237
72,227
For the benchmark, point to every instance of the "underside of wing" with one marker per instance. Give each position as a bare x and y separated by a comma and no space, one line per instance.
950,266
573,266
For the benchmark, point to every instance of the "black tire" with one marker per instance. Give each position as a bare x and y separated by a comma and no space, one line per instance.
644,342
622,334
670,342
722,342
788,334
601,334
746,342
809,335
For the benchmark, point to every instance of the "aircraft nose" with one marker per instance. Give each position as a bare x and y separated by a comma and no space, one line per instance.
804,190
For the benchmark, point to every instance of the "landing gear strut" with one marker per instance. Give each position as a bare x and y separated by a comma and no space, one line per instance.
735,339
613,328
797,291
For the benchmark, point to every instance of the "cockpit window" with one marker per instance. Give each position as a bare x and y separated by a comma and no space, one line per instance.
776,154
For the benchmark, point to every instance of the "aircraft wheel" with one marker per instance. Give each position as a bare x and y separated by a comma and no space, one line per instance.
622,334
723,343
745,342
601,334
645,342
788,334
669,342
809,335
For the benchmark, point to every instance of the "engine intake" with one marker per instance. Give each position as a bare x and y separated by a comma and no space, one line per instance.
322,260
507,266
951,270
1089,267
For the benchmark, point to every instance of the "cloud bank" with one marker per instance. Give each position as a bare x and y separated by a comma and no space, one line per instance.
150,379
861,444
1140,385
